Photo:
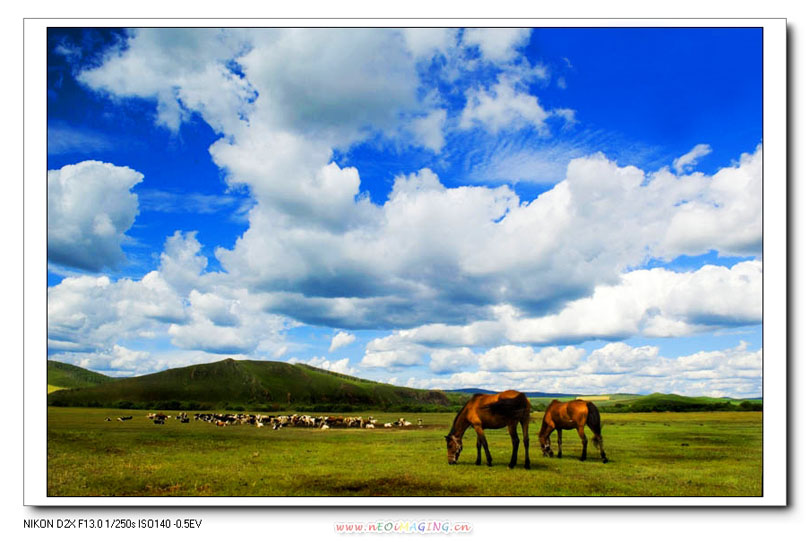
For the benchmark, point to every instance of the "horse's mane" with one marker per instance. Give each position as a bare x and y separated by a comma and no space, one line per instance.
452,425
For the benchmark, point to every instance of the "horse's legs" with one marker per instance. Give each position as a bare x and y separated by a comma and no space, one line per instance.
524,424
597,439
478,447
581,431
515,443
559,442
483,440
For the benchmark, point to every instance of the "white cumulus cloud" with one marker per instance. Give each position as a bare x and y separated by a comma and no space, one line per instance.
497,44
721,212
614,368
183,70
340,340
340,366
424,43
92,319
450,267
525,358
650,302
503,106
90,207
432,254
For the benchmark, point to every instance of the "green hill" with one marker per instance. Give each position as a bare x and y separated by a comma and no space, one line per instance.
274,386
64,375
245,384
659,402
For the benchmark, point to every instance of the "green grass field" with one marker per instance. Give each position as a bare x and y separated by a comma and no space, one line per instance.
651,454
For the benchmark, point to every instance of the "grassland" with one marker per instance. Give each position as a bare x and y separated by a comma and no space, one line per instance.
651,454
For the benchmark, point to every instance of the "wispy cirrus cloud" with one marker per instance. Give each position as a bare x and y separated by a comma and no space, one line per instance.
521,160
688,161
163,201
63,139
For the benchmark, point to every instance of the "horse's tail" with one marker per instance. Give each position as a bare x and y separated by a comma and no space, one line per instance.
594,421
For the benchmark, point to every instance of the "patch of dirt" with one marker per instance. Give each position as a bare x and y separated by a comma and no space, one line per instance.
162,490
402,486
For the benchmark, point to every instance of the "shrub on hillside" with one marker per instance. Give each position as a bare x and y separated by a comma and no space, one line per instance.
750,406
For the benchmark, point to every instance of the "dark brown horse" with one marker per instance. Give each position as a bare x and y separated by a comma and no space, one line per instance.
571,415
494,411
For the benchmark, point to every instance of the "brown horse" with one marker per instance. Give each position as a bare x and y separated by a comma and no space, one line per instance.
494,411
571,415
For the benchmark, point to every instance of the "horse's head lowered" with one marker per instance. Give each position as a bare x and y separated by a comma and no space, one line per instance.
453,448
545,446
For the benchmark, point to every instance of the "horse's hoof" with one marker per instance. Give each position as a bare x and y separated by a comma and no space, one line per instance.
582,459
527,467
511,466
478,463
489,464
604,460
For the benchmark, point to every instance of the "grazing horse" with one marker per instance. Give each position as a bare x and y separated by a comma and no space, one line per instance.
571,415
494,411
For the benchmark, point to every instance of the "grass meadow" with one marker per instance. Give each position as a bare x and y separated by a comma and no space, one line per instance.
651,454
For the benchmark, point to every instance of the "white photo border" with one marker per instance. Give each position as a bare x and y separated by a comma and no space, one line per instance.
775,349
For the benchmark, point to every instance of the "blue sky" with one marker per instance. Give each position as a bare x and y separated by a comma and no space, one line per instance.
542,209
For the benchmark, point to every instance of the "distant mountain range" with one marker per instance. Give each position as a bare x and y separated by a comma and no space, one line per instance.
528,393
272,386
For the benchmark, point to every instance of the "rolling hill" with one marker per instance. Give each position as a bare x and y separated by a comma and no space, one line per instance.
660,402
271,386
654,402
246,384
63,375
528,393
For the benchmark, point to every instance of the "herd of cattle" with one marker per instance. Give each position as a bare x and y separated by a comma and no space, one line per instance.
277,422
